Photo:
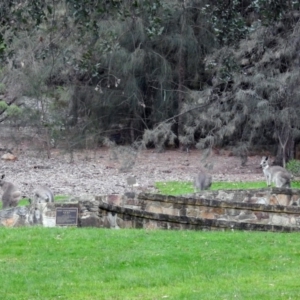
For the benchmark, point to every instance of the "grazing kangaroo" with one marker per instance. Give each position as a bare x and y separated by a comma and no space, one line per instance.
43,194
202,181
275,174
11,195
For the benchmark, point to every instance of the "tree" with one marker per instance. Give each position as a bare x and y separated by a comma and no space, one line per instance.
254,99
142,62
121,68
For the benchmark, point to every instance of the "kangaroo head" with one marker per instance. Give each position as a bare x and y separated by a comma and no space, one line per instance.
264,162
2,180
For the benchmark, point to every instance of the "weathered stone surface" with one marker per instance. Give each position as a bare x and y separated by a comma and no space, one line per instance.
279,220
232,212
9,156
154,208
246,215
191,212
254,208
82,197
13,217
91,220
295,200
207,215
283,199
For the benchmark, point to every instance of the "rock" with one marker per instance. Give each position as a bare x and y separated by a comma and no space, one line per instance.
9,156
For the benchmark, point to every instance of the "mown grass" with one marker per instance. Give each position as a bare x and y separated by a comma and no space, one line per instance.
89,263
25,201
182,188
22,202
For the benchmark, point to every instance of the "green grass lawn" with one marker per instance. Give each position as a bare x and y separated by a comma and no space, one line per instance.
90,263
25,201
182,188
22,202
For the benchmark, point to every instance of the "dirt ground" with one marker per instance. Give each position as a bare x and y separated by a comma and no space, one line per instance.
106,171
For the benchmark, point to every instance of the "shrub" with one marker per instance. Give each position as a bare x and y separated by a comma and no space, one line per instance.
294,167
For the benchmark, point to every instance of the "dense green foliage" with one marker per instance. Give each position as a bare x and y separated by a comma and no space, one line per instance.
294,167
198,72
57,263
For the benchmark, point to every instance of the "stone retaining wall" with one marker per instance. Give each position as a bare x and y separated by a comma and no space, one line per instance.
232,209
264,209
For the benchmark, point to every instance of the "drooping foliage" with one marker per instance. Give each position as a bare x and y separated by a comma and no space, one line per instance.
255,94
209,73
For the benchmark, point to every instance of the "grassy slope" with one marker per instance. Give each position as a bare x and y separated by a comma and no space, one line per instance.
61,263
58,263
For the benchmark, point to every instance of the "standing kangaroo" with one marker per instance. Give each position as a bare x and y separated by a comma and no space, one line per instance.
11,195
202,181
43,194
275,174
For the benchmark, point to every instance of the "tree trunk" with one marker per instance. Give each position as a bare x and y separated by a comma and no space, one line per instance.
181,77
285,152
132,137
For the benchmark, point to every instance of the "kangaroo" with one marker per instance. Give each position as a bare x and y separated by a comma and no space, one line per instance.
275,174
43,194
202,181
11,195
